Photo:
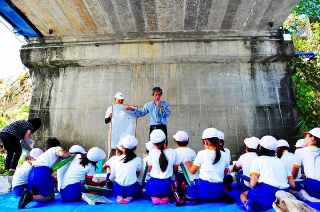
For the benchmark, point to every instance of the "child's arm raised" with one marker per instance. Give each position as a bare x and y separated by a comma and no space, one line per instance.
64,154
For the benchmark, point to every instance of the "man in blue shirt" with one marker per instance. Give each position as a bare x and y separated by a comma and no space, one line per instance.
158,110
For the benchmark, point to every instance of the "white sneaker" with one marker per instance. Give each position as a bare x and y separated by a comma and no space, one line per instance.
304,196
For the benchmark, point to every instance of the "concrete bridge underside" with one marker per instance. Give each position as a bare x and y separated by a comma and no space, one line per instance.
220,63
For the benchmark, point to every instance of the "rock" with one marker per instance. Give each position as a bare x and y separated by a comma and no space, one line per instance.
5,184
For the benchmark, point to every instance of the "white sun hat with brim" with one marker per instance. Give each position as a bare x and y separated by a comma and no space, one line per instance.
210,133
181,136
283,142
299,143
315,132
252,142
157,136
35,153
77,148
119,145
129,142
150,146
221,135
95,154
269,142
119,95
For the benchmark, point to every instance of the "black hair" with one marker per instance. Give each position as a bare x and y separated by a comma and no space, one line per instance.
51,142
85,161
252,150
317,140
215,142
36,124
120,151
220,145
163,161
147,151
130,155
265,152
182,143
156,89
281,150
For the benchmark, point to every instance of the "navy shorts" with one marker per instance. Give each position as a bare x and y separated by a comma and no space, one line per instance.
73,192
19,189
40,181
205,190
159,187
312,187
133,190
263,196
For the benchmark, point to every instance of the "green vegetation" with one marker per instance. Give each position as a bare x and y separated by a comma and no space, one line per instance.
2,163
306,73
308,7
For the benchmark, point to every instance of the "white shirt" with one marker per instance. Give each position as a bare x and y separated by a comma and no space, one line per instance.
244,162
153,161
271,171
208,171
126,173
309,157
187,154
288,158
48,158
112,163
20,176
76,172
109,111
227,151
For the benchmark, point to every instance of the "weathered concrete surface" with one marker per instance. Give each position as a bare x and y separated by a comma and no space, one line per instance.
240,86
5,184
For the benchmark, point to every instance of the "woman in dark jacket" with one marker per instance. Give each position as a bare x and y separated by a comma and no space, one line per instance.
11,136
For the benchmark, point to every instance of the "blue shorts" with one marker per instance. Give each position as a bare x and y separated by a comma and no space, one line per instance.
19,189
240,181
40,181
73,192
263,196
205,190
159,187
312,187
133,190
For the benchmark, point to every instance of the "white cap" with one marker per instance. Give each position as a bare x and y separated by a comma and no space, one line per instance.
157,136
129,142
210,133
119,95
252,142
95,154
269,142
300,143
35,153
77,148
181,136
282,142
221,135
315,132
119,145
150,146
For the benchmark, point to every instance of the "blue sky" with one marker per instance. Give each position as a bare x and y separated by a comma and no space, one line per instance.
10,63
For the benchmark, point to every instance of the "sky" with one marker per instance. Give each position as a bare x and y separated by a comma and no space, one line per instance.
10,62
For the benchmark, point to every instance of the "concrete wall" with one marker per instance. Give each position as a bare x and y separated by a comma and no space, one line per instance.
241,87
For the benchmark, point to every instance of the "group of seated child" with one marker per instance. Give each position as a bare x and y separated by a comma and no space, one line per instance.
267,166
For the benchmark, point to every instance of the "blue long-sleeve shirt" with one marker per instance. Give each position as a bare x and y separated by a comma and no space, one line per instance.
157,117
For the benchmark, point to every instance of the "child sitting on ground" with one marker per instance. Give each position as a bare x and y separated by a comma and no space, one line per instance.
228,179
149,147
243,164
41,185
20,177
127,169
80,170
268,175
181,139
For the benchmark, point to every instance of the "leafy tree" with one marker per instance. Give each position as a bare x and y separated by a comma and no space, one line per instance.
308,7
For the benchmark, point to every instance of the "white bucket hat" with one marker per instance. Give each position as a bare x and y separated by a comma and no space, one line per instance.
95,154
119,95
157,136
283,142
77,148
269,142
181,136
150,146
35,153
129,142
252,142
210,133
299,143
119,145
221,135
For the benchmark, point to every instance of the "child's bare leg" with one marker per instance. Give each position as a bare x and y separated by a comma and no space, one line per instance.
243,196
